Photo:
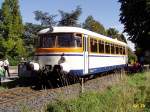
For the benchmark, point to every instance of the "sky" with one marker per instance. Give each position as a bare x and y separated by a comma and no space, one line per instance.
105,11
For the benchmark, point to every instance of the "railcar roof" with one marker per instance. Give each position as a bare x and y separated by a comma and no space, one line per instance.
66,29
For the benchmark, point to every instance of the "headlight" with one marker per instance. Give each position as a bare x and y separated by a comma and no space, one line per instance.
35,66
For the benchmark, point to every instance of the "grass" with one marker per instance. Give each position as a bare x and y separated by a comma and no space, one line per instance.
132,94
2,88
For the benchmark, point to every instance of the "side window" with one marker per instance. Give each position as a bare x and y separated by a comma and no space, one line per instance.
117,49
107,47
101,46
112,49
120,49
123,50
93,45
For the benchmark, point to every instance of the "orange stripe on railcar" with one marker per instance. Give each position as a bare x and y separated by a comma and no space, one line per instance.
48,50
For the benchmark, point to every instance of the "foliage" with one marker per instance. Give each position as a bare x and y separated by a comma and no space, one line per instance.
131,56
17,26
45,19
2,48
11,29
130,95
11,25
70,19
6,18
67,19
93,25
14,50
30,37
122,38
113,33
135,15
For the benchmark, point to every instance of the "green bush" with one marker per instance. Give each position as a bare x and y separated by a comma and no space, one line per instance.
13,61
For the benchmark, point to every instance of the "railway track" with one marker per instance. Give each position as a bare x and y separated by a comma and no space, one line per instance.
17,94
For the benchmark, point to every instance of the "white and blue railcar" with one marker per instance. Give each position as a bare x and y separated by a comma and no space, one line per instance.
79,51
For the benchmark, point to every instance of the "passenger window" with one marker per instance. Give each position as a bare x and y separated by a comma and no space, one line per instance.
112,49
124,50
93,45
101,46
107,47
117,49
120,49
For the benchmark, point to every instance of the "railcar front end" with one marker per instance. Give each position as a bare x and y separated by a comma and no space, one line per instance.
61,49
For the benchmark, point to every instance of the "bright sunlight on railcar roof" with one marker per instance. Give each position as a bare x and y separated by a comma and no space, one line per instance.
64,29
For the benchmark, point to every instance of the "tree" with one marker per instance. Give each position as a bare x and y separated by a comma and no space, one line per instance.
5,19
70,19
1,16
1,26
31,37
11,29
131,56
2,48
93,25
122,38
45,19
135,15
113,33
31,32
11,20
17,26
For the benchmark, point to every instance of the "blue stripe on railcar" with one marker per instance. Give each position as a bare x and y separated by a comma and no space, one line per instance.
90,55
97,70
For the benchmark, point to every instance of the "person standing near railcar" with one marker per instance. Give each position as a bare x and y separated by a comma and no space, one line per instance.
1,63
6,67
2,71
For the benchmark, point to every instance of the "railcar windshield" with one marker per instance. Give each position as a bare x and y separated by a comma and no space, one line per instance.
59,40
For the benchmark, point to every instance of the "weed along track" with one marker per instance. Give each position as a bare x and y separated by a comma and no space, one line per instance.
14,99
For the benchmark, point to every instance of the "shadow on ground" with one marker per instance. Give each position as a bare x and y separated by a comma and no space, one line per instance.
36,83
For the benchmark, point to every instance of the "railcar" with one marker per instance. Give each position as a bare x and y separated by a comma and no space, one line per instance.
78,51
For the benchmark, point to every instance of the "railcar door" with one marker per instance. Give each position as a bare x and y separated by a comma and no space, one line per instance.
86,55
